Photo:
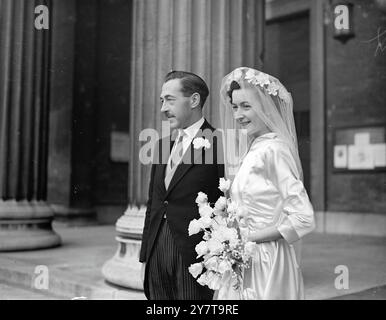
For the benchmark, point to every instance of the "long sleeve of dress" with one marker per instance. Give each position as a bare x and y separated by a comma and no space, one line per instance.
297,219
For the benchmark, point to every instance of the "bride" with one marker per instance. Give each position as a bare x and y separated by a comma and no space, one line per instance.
267,183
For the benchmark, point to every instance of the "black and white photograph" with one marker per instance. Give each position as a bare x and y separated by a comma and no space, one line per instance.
212,151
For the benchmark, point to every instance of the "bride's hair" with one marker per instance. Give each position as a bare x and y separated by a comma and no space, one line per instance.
234,86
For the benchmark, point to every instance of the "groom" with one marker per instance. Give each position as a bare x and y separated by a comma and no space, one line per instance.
167,251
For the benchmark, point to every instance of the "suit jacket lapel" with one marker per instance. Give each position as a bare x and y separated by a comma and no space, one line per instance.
186,163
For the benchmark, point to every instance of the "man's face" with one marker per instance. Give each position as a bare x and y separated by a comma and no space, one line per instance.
175,106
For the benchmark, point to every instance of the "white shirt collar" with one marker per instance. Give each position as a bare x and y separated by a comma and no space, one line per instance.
192,131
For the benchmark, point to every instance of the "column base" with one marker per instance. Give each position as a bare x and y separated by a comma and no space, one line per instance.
26,225
124,269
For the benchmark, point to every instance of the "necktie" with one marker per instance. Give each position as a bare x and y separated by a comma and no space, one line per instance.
175,157
177,152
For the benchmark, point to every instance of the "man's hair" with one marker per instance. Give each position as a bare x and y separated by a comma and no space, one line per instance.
190,84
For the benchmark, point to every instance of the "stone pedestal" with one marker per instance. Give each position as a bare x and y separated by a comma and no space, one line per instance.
26,225
124,269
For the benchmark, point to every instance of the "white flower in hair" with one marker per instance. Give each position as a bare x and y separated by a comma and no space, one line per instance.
237,75
262,79
250,76
273,88
199,143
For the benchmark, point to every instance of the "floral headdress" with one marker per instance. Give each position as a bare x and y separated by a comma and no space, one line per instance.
258,78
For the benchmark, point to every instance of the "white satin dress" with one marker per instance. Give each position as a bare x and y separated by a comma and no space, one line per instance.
268,187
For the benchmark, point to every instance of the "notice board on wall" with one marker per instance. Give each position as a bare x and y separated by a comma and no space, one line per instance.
360,149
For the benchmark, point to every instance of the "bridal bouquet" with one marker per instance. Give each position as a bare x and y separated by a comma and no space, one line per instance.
225,253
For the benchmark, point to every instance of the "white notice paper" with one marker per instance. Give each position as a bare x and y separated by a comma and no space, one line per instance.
340,157
379,151
360,157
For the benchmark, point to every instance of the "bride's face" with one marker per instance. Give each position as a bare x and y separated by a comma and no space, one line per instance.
245,114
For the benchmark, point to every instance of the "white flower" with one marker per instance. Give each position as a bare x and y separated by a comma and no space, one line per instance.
230,234
211,264
224,266
205,210
273,89
220,204
233,242
217,222
232,208
249,294
214,246
203,280
214,282
195,269
262,79
206,236
219,232
237,75
199,143
194,227
250,75
205,222
223,233
224,185
250,248
202,248
202,199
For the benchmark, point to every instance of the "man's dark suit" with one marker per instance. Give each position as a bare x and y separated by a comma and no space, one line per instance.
178,202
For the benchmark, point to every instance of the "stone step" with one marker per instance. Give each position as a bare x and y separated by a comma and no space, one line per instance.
62,284
9,292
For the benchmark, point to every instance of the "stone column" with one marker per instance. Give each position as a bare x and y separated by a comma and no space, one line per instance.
207,37
72,111
25,218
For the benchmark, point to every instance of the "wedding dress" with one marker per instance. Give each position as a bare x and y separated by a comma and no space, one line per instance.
268,186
